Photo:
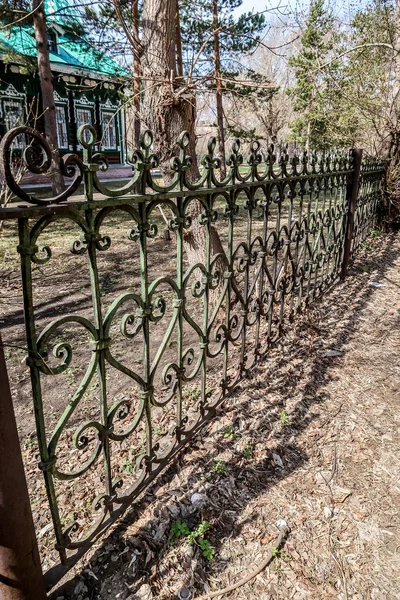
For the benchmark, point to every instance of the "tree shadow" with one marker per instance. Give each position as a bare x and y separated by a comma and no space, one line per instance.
250,478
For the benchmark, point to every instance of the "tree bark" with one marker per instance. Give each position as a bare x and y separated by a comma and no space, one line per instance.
136,73
179,60
46,86
168,114
218,84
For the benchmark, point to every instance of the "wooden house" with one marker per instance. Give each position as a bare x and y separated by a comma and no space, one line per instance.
87,83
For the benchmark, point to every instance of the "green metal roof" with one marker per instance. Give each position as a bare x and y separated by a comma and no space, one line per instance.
73,51
58,11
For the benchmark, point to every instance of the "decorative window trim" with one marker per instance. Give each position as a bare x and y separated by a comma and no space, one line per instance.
84,102
11,91
60,99
108,105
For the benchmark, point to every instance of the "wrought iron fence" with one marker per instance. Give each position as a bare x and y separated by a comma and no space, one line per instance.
181,333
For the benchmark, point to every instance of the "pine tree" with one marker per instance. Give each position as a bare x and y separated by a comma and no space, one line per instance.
312,90
214,42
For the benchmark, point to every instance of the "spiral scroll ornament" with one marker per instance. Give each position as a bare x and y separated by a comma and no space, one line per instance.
37,159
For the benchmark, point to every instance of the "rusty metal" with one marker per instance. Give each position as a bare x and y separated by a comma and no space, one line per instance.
285,221
21,575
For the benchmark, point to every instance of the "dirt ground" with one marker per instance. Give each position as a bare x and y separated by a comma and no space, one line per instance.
312,438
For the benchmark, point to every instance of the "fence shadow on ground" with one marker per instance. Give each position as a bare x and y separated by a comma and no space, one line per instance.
288,383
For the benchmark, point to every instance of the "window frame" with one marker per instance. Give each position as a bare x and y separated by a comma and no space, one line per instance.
84,104
10,94
109,107
62,103
105,130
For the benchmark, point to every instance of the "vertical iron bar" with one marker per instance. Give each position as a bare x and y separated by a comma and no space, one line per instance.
180,302
101,369
352,193
144,282
205,340
263,259
26,251
21,575
231,217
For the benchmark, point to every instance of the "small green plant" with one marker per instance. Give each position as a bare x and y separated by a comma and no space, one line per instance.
284,417
276,553
375,233
228,433
206,549
180,529
219,466
129,466
248,451
191,392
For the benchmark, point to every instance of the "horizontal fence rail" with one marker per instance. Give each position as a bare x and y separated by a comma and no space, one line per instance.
192,316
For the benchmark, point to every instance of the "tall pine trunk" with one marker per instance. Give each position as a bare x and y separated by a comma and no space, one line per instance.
46,86
178,42
218,86
136,72
167,114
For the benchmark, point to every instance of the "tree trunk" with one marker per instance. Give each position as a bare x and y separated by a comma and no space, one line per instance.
179,60
308,136
168,114
46,86
218,84
136,73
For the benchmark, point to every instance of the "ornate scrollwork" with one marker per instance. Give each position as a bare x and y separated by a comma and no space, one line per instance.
281,247
37,159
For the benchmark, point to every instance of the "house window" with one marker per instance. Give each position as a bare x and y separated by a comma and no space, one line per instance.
13,113
109,130
52,38
83,117
62,132
14,117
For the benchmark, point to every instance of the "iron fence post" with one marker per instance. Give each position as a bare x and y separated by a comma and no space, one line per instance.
352,193
21,575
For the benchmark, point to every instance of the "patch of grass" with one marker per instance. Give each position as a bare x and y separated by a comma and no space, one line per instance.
220,467
191,392
180,529
375,233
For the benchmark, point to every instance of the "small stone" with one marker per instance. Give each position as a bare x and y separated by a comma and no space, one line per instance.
198,500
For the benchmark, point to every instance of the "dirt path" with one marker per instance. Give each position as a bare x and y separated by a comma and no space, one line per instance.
311,439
